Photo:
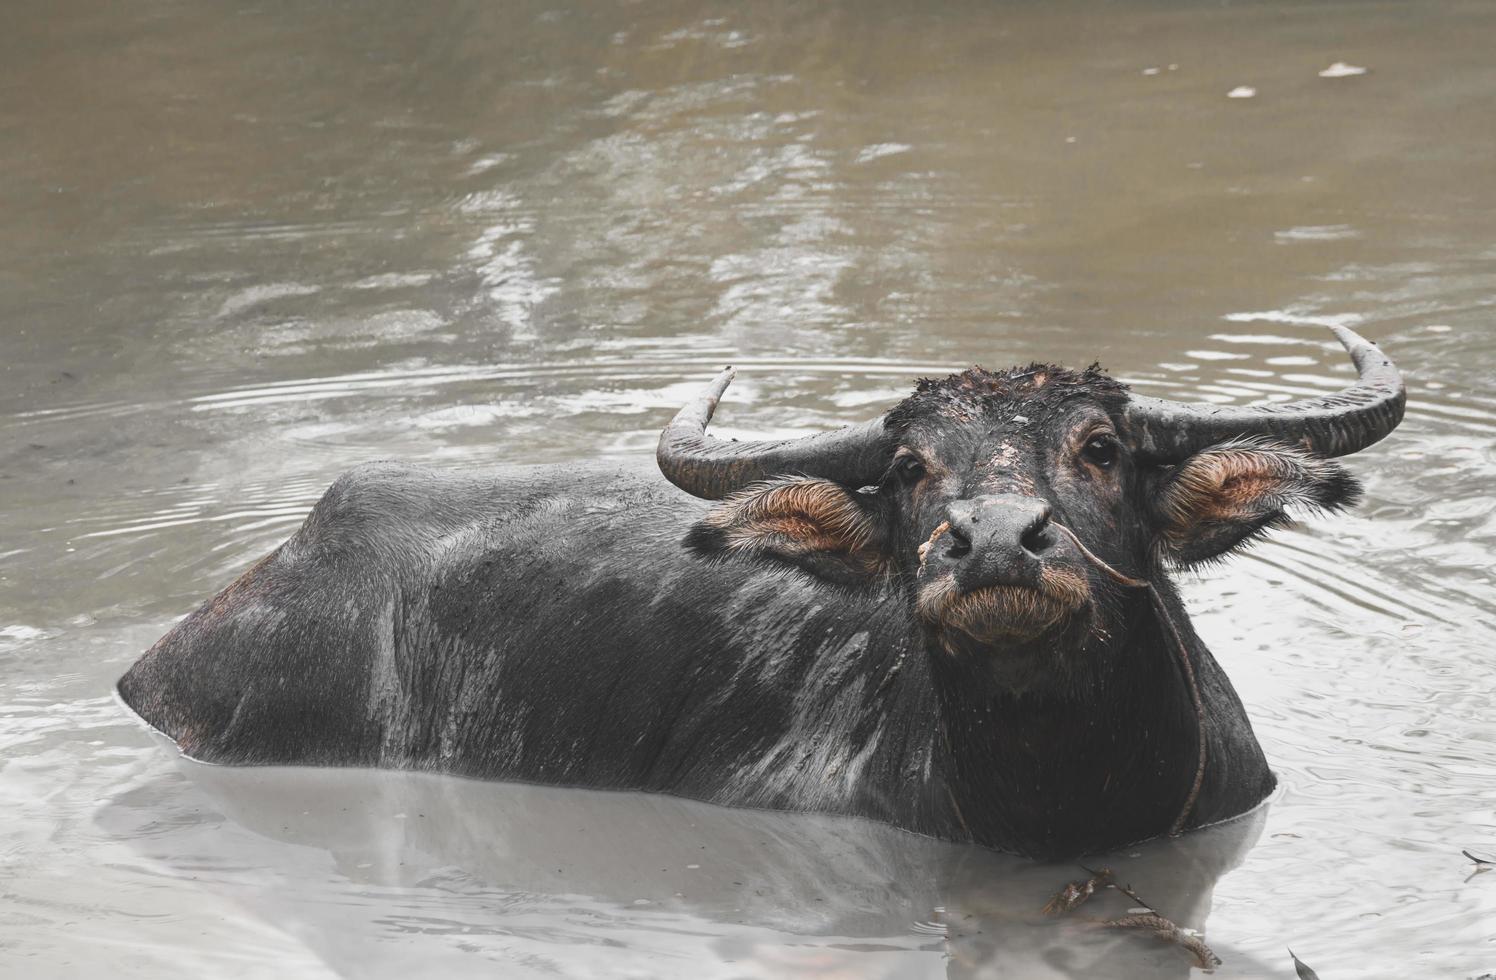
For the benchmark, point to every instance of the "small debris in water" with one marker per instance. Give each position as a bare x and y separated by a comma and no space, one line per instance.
1316,233
1142,917
1302,969
1077,893
1151,71
879,150
1241,92
1342,70
1482,864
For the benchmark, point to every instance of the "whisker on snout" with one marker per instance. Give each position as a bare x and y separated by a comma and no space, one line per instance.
1004,611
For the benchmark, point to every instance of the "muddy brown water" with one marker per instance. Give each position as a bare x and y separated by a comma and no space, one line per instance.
245,246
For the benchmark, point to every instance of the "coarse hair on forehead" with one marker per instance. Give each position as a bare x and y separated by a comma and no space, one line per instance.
1037,392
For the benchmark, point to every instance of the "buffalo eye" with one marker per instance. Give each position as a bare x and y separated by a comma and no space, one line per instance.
908,468
1101,451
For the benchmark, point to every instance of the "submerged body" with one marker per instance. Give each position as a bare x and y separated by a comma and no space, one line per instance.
956,618
434,621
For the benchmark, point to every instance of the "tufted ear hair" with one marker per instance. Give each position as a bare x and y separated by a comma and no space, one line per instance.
1227,495
816,525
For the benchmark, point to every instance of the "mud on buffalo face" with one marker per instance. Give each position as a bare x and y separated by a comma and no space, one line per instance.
986,464
975,494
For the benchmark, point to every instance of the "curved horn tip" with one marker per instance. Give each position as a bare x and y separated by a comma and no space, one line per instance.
1345,334
1360,349
1348,338
719,385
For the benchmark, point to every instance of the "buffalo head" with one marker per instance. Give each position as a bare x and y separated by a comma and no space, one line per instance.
987,497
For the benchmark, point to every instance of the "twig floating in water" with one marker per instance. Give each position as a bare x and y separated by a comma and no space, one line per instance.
1485,861
1127,890
1161,928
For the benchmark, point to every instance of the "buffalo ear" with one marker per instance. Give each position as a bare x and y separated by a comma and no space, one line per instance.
817,525
1228,495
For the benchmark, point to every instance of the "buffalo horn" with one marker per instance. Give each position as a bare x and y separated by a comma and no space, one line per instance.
1329,425
705,466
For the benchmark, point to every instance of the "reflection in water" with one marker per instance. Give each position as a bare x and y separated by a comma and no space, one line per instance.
243,248
504,867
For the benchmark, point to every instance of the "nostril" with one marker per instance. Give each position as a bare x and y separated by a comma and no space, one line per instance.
1037,539
960,545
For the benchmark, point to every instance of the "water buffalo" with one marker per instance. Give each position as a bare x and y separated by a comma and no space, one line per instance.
954,618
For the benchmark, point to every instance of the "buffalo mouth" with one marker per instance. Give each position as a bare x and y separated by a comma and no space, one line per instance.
1004,615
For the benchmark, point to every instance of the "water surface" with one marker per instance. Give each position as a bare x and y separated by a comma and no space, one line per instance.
245,246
